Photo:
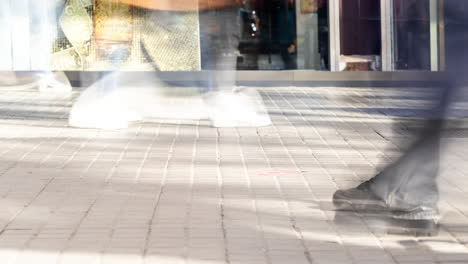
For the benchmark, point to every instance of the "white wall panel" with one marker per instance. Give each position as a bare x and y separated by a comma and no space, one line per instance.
40,37
6,62
20,34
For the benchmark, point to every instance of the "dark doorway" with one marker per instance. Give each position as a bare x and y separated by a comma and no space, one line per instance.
360,27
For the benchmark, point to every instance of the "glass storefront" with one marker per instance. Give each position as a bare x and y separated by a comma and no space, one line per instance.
317,35
285,35
412,36
360,35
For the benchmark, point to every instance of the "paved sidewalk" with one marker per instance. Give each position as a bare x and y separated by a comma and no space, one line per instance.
179,191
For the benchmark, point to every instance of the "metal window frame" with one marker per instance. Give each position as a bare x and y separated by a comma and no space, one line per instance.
334,34
386,16
387,31
434,33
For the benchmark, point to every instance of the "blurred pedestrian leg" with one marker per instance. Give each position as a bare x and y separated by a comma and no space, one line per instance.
407,189
31,29
229,106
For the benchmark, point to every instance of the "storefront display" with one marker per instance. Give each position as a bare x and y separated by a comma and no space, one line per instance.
147,35
130,38
72,43
98,35
290,33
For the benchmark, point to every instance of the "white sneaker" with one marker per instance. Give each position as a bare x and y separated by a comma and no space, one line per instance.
239,108
55,82
102,109
105,113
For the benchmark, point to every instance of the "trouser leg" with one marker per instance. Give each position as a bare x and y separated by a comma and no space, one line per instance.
220,35
411,180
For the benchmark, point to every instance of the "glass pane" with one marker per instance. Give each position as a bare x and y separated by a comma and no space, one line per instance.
284,35
360,33
156,35
411,36
454,29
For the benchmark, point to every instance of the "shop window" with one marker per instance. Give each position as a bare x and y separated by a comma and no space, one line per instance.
411,37
284,35
360,35
101,35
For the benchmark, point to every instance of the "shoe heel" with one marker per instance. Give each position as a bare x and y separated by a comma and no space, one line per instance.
417,228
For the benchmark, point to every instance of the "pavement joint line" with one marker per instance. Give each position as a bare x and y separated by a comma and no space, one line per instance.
82,146
86,214
220,182
252,194
307,183
161,191
285,200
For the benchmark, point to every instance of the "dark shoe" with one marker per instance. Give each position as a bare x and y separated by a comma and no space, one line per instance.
360,198
418,213
417,228
417,221
382,223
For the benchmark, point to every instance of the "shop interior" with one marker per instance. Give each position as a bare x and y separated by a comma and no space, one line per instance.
284,35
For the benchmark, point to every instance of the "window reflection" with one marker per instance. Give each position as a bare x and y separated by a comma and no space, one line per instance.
411,38
284,35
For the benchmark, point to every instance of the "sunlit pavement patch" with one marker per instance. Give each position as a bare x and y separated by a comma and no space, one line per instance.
277,172
177,191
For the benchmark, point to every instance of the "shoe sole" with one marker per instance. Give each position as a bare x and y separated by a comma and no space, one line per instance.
383,224
343,203
416,228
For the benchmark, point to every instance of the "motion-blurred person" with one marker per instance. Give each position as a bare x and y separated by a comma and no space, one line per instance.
44,81
406,191
220,31
226,105
287,33
40,17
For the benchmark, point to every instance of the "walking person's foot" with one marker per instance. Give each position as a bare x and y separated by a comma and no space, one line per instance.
420,220
241,108
360,198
